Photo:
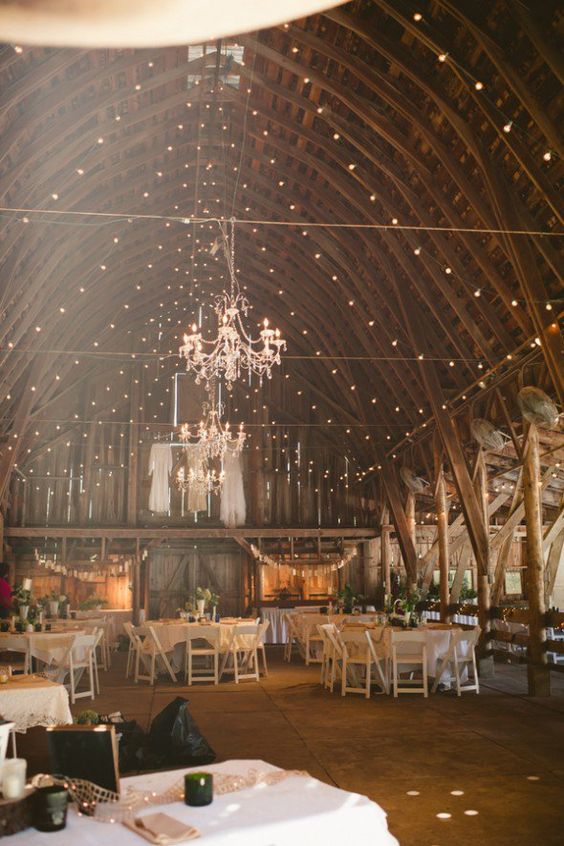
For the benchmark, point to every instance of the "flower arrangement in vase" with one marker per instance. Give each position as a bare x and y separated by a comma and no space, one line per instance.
202,597
21,599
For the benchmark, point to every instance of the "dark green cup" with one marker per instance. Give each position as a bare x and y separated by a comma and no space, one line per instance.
198,789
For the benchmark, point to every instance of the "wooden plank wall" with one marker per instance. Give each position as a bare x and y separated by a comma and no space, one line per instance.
177,571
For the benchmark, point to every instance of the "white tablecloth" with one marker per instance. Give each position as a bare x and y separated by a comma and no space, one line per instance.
294,812
116,618
29,701
437,642
278,631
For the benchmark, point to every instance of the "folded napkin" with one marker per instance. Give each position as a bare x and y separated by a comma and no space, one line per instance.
162,829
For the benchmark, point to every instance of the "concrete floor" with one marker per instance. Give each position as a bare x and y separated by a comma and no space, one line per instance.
502,752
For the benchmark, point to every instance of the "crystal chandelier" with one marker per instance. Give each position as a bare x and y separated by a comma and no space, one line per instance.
210,439
233,350
211,436
200,481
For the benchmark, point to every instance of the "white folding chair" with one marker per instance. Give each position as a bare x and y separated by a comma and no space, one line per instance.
355,655
409,653
82,659
328,654
52,654
243,652
292,636
263,628
202,642
17,644
150,650
336,653
311,637
134,641
461,655
380,652
99,624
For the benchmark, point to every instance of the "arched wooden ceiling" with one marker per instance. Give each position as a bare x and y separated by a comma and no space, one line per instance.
370,113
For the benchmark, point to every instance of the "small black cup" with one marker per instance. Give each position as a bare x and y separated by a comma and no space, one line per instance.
50,808
4,626
198,789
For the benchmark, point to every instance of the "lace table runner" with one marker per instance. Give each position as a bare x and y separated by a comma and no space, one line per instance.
105,806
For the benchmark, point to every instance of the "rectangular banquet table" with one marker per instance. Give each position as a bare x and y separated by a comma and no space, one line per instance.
30,701
295,811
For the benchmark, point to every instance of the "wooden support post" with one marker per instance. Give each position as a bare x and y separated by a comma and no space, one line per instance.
133,451
136,589
147,588
485,659
370,586
386,555
412,529
400,521
259,584
444,555
504,538
538,674
1,535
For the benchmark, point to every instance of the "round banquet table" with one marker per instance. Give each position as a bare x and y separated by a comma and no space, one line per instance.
172,635
30,701
437,641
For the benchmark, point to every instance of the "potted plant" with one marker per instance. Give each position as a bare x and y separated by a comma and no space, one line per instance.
88,718
93,603
405,606
347,599
203,596
21,597
54,599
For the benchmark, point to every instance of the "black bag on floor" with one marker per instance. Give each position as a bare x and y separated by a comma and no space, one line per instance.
175,738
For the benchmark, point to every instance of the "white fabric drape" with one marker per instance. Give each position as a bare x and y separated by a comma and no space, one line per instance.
196,499
160,466
142,23
233,508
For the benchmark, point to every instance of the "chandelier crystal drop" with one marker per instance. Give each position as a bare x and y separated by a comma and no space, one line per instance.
210,439
212,436
234,350
200,481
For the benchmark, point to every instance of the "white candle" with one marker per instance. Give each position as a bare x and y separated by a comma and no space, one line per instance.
13,778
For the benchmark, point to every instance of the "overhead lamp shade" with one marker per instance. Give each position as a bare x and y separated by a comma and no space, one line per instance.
537,407
486,434
413,482
142,23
